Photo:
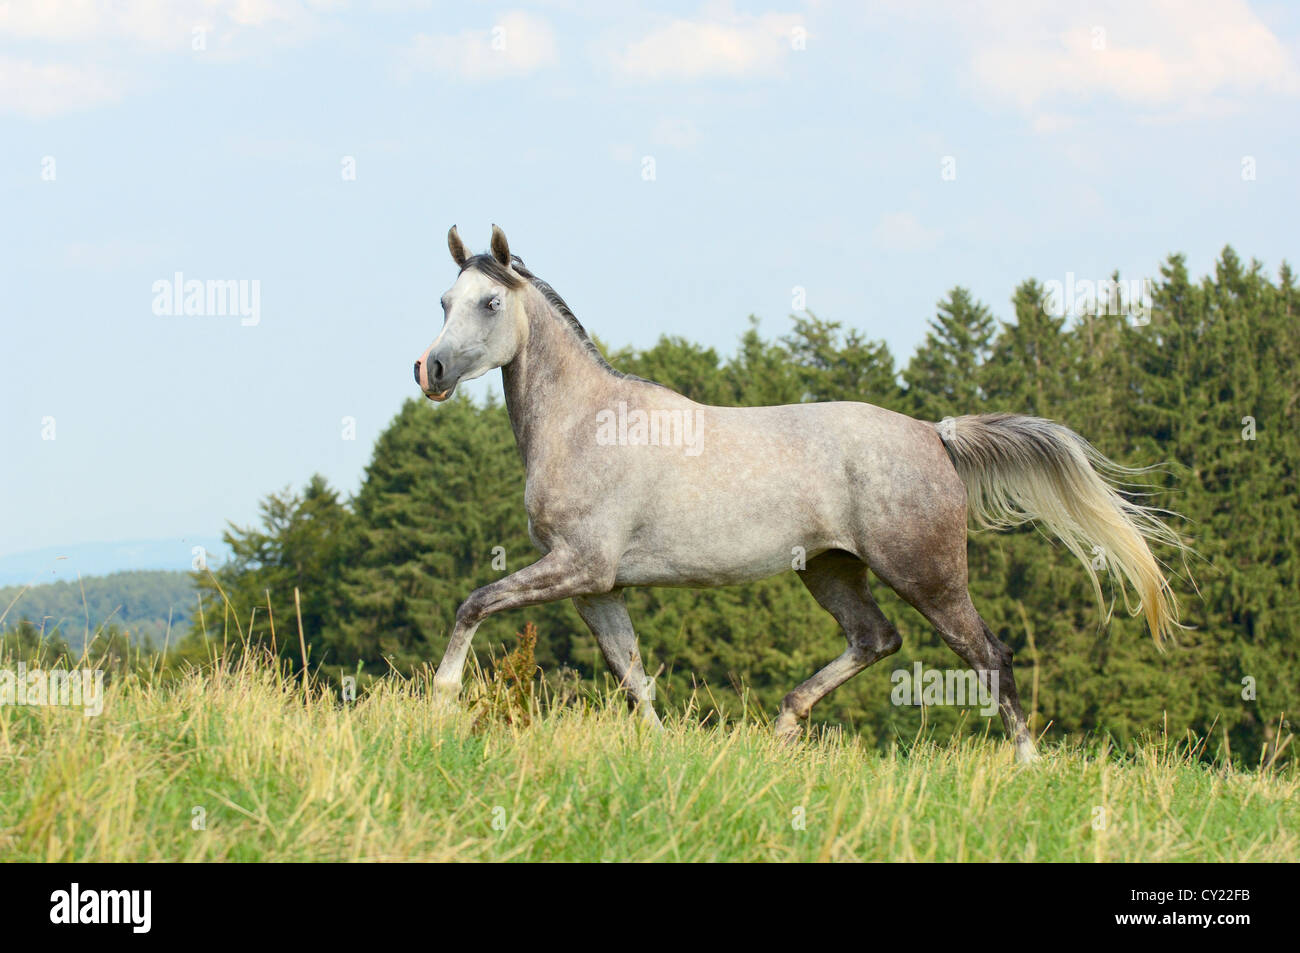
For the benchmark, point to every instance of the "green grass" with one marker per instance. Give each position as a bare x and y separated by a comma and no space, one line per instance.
392,777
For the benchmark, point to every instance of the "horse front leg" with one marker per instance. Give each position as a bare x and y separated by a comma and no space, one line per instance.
559,574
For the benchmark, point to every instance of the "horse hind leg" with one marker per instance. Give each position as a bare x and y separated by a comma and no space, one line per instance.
926,565
838,581
951,611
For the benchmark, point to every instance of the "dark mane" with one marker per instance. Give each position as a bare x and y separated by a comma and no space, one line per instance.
494,270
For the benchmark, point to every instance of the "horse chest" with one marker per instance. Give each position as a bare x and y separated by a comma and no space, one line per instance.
550,510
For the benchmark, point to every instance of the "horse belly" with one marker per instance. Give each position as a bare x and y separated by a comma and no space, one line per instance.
727,541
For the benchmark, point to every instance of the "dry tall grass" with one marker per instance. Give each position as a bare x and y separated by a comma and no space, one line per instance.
235,763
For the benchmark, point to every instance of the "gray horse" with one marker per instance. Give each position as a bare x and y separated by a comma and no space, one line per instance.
632,484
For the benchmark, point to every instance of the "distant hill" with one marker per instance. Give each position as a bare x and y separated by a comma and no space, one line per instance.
97,559
138,601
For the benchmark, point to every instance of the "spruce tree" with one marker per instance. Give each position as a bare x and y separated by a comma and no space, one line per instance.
943,376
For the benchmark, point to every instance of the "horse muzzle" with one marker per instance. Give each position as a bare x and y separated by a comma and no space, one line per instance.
434,380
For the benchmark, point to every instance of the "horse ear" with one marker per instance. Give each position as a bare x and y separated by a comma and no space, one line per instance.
456,247
500,248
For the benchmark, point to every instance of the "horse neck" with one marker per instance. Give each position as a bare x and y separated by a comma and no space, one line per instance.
552,383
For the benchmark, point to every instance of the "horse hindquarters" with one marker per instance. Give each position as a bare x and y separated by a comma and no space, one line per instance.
915,541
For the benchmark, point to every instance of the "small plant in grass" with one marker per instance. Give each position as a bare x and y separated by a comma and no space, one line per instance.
508,696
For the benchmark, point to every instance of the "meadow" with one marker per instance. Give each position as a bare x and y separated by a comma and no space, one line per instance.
236,761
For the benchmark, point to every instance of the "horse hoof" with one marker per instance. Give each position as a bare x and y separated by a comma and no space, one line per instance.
1026,753
446,698
787,729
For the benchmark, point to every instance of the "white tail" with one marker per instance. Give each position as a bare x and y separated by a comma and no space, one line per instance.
1017,469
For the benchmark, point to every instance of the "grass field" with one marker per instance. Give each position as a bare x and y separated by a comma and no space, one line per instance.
238,765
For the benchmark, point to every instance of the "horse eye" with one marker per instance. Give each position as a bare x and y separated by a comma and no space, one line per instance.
495,304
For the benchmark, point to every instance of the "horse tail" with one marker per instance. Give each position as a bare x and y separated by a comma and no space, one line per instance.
1019,469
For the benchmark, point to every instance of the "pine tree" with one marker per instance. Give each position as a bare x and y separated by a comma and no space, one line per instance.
830,364
943,376
760,374
686,367
304,541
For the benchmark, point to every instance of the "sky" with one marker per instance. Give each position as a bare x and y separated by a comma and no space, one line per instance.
670,169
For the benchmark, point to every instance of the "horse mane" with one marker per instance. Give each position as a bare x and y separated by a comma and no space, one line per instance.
511,279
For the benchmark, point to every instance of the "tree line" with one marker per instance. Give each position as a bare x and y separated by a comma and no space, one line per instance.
151,605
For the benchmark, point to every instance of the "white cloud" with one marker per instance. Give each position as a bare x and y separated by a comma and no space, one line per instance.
1179,55
900,231
151,24
96,43
718,43
517,43
38,91
52,20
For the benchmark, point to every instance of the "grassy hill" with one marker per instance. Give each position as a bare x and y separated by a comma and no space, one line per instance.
236,764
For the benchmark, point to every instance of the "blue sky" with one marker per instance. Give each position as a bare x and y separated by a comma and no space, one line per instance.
793,145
